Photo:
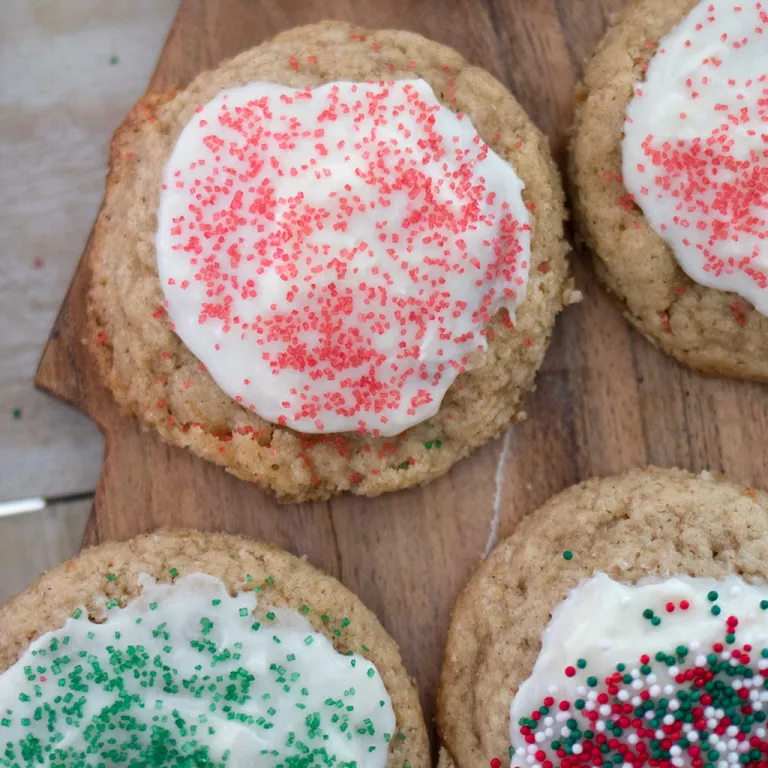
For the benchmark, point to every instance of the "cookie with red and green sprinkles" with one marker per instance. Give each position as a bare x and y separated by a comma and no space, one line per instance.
191,649
624,623
668,173
332,264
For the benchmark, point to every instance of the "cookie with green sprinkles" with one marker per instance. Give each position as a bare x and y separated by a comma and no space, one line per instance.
624,623
192,649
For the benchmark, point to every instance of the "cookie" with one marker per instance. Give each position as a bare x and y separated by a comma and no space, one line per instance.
234,628
690,279
154,375
645,523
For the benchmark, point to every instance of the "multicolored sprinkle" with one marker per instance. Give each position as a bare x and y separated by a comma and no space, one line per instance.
691,704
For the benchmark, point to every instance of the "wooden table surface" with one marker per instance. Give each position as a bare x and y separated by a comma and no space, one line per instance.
606,399
59,81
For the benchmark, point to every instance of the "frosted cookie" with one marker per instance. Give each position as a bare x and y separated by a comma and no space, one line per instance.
624,622
669,169
200,649
332,264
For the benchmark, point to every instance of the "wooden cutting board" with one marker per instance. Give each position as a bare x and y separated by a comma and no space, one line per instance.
606,399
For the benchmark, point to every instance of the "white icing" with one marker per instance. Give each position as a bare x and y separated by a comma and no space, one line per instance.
707,72
173,637
602,622
356,329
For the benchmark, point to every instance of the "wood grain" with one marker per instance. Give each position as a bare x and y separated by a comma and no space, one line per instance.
606,399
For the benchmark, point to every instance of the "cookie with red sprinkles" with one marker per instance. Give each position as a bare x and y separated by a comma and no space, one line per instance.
332,264
668,169
658,655
187,648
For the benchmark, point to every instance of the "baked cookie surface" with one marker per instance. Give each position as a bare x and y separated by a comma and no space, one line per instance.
109,573
156,378
715,331
646,522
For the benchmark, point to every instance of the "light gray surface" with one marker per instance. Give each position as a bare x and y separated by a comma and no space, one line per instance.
61,96
32,543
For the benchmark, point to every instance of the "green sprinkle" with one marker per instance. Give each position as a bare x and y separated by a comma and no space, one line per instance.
712,596
113,60
16,413
567,555
111,576
140,723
